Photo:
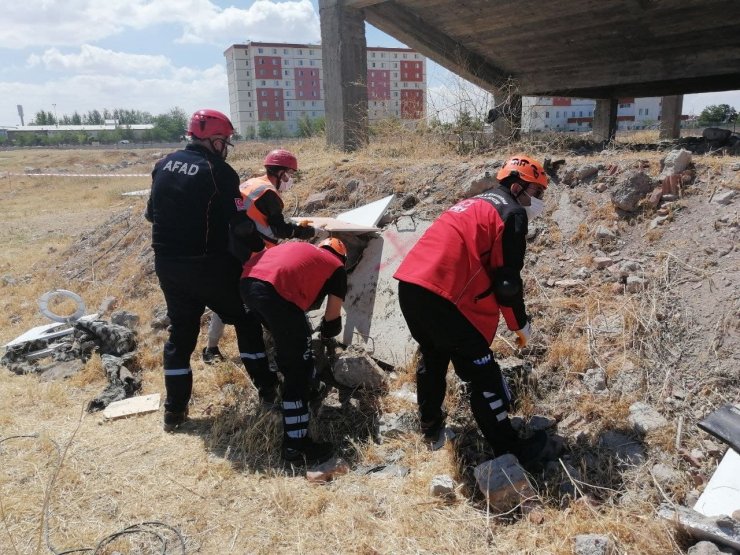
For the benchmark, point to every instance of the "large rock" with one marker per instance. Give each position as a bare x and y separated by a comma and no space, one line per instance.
630,190
675,161
479,184
442,486
716,134
354,368
503,482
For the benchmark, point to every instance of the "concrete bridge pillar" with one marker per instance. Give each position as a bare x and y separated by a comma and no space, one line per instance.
345,74
605,119
508,113
670,117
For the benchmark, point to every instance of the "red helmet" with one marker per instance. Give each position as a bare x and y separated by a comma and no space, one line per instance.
282,158
204,124
526,168
335,246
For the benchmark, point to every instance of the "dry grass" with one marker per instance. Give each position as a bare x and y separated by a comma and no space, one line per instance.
221,482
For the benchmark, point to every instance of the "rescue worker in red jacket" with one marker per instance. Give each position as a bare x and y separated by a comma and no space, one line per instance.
280,284
193,206
263,203
453,284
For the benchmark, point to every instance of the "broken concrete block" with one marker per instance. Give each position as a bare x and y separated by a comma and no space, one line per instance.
721,493
133,405
645,419
655,196
442,486
327,471
593,544
722,530
62,370
354,368
584,172
630,189
568,215
675,161
504,483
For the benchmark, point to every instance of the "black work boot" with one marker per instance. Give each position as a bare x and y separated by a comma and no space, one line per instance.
306,451
212,355
531,451
432,428
173,420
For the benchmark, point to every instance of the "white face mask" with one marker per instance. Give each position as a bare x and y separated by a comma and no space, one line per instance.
535,208
286,186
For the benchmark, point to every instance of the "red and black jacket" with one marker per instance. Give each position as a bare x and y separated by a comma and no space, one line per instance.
459,255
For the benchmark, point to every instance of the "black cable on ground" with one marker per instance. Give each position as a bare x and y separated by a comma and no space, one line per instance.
147,528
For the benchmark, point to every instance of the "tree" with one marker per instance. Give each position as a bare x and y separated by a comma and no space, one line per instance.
717,113
265,130
170,126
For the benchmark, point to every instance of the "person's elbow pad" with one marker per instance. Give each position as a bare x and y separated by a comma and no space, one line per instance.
331,328
507,289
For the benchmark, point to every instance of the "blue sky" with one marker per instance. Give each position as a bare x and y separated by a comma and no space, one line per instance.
152,55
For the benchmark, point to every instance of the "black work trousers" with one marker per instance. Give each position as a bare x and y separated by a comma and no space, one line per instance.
292,334
190,284
445,335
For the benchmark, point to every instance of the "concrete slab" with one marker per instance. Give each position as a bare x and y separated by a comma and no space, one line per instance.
333,224
47,332
141,193
132,405
373,318
368,214
722,494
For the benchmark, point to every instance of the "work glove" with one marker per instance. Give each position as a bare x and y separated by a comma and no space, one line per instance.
330,328
523,336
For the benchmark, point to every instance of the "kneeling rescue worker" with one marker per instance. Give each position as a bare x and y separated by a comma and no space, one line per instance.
452,285
280,284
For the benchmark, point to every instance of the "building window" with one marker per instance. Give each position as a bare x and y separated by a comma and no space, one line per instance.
580,114
286,62
264,93
277,83
264,103
300,93
300,52
646,111
277,93
372,54
274,50
249,104
259,51
274,72
300,62
310,52
262,61
557,114
640,111
547,115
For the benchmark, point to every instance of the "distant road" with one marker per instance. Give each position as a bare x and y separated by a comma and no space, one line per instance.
129,146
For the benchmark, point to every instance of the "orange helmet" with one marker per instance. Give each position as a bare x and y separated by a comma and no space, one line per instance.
335,246
524,167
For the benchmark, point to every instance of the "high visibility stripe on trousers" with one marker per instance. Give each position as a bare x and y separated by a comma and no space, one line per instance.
295,419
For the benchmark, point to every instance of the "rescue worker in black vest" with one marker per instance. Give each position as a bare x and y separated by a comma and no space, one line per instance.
263,203
193,205
280,284
454,283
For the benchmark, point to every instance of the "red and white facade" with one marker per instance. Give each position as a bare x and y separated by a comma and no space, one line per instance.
540,113
281,83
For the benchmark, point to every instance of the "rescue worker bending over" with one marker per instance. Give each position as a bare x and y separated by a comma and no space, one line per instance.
452,285
280,284
192,206
263,204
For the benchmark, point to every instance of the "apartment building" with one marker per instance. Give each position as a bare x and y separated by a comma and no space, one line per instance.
280,84
541,113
